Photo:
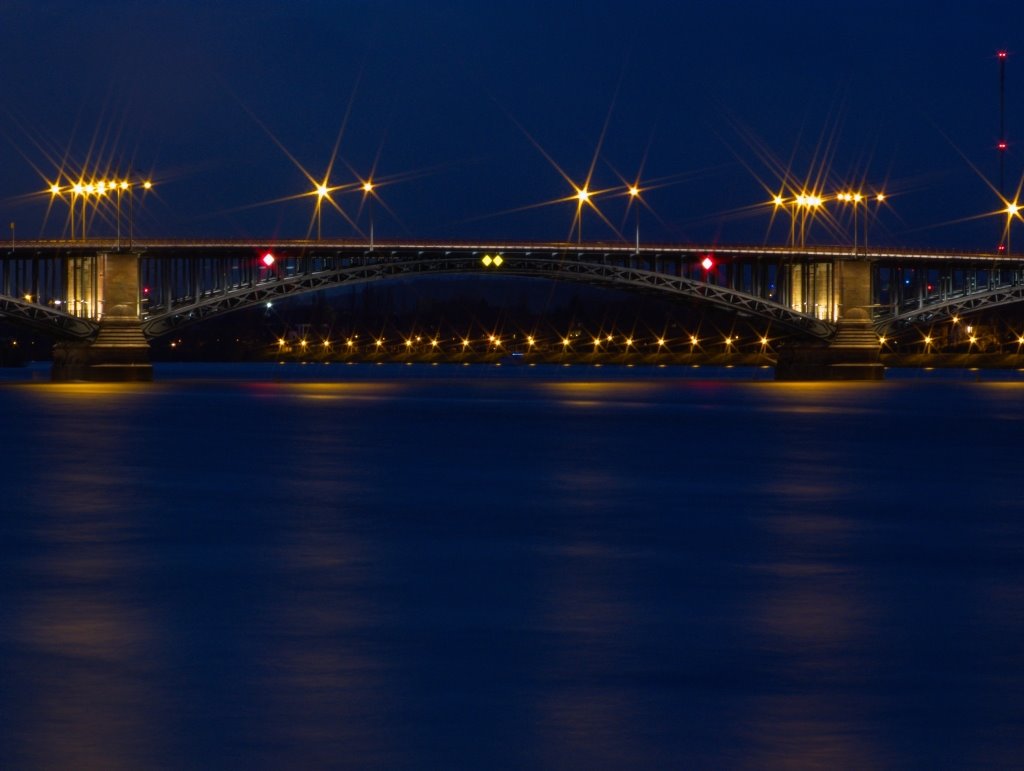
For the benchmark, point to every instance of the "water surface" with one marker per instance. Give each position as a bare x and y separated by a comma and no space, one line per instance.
347,566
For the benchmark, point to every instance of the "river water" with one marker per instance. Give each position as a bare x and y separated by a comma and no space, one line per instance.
279,566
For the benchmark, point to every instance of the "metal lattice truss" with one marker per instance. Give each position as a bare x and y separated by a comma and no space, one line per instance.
384,267
50,321
197,284
944,310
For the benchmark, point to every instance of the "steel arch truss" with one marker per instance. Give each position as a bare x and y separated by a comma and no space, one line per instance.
945,310
50,321
556,266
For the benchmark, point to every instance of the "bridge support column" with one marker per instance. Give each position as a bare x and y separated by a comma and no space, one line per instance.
853,353
120,352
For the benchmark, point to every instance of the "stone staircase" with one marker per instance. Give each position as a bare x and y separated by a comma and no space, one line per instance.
120,333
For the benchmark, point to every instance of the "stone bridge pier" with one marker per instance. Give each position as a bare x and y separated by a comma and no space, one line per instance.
853,353
120,351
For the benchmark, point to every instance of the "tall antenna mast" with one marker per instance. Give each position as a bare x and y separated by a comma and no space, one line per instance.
1002,120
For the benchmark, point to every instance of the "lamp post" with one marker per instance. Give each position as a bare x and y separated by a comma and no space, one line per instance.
77,190
853,199
121,187
322,192
1012,210
634,200
146,185
101,190
55,192
89,189
804,203
582,197
781,203
880,198
368,187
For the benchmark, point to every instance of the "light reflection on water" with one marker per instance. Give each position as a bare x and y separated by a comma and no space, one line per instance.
453,567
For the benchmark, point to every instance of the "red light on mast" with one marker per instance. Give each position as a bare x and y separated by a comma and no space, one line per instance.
1001,145
1001,54
269,259
707,263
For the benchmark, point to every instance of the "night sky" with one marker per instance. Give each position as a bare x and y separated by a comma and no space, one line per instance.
462,110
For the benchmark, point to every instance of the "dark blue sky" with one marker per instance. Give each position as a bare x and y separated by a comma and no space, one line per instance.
714,98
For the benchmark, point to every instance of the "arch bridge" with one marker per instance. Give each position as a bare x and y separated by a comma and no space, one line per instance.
107,299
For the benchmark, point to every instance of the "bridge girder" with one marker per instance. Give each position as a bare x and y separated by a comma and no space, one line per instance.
526,264
50,321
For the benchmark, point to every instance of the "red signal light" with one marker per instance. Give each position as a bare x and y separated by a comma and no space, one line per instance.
707,263
269,259
1002,248
1002,54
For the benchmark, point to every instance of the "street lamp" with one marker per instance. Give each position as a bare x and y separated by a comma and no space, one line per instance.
368,187
806,202
634,201
101,190
89,189
854,199
779,202
582,197
55,192
77,189
1012,210
880,198
121,187
321,193
146,185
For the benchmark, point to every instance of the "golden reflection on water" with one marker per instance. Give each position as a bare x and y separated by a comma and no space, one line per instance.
608,389
96,395
824,398
93,648
812,619
808,610
314,661
88,705
1004,398
341,391
802,730
92,645
596,395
